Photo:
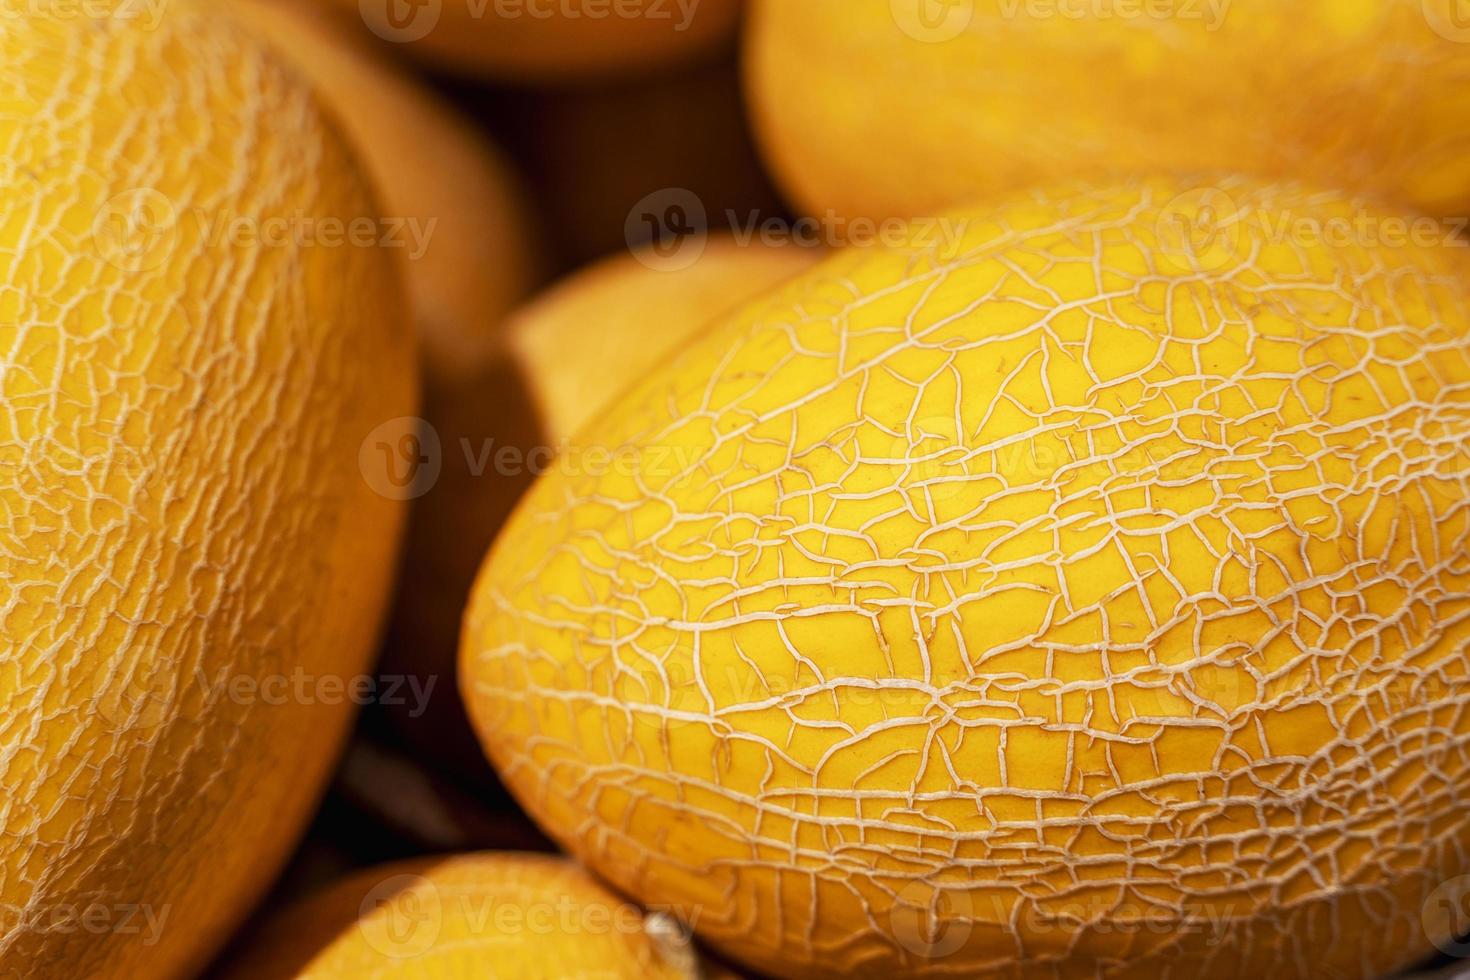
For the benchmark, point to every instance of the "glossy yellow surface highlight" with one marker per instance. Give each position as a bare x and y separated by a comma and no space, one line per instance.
903,107
186,374
1072,598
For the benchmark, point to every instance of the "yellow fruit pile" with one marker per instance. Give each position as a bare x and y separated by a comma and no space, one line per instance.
1043,555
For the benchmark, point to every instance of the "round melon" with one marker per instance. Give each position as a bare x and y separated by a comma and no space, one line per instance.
902,107
487,916
192,561
548,40
1085,592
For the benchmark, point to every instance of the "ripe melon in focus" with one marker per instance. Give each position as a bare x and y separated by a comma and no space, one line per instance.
1084,591
564,356
549,41
487,916
187,374
903,107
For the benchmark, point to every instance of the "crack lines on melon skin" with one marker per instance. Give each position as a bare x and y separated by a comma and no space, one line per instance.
1276,526
150,481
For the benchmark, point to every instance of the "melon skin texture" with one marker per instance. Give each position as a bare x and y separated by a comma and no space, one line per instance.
485,916
459,222
470,256
996,96
563,356
1068,600
550,41
185,527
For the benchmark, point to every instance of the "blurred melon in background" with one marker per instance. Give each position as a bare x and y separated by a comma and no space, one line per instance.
904,107
546,41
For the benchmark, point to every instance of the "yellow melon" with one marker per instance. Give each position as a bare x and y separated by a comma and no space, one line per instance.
564,356
193,350
579,344
467,248
486,916
454,208
902,107
548,40
1087,595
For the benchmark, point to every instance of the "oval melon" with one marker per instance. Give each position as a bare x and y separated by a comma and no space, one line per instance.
190,558
1080,598
549,40
902,107
564,355
488,916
